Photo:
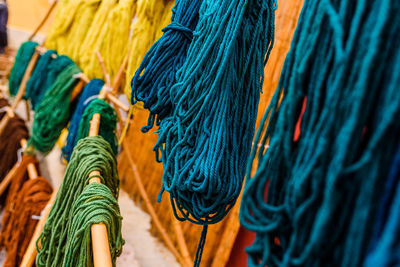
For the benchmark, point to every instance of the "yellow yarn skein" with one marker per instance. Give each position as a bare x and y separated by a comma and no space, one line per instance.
150,19
64,18
113,40
94,37
80,27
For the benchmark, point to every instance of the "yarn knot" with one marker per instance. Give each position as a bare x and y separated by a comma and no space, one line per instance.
175,26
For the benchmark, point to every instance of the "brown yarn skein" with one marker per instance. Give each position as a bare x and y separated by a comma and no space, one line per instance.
26,198
3,103
10,143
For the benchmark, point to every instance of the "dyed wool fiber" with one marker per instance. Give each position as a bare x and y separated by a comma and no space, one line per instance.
90,154
89,93
95,205
3,103
220,79
25,200
10,144
53,113
36,85
24,55
157,72
324,185
149,14
108,122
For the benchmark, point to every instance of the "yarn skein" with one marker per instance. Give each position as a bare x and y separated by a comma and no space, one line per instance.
107,126
90,91
326,182
53,113
157,72
87,53
10,144
36,85
22,59
144,32
95,205
25,201
205,143
90,154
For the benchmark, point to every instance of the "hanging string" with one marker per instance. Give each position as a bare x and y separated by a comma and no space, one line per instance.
10,144
89,93
36,85
53,113
205,143
149,14
25,202
323,184
90,154
22,59
107,126
157,72
95,205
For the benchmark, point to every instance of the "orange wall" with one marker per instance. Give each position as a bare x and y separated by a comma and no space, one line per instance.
27,14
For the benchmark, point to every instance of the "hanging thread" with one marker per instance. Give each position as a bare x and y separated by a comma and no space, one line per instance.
22,59
322,184
90,154
90,91
96,204
53,113
157,72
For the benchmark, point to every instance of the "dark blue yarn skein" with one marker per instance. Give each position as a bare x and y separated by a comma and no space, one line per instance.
37,84
156,75
90,91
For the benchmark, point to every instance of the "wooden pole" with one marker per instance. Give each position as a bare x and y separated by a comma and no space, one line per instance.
31,252
53,5
100,246
32,172
21,91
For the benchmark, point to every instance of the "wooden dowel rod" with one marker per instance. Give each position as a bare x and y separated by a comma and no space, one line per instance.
103,68
117,102
151,210
100,246
48,13
120,75
31,168
77,90
21,91
30,253
7,180
180,237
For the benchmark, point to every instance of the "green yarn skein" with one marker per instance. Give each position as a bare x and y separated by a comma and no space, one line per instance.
95,205
53,113
90,154
108,122
22,59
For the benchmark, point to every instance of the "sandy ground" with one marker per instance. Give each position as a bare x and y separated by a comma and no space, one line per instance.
141,248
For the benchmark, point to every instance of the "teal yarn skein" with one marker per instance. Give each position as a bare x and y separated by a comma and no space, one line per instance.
157,72
22,59
344,67
205,142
